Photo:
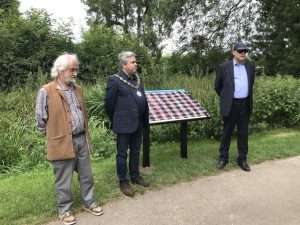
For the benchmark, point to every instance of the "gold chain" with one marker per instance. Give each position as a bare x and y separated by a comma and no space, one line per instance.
138,83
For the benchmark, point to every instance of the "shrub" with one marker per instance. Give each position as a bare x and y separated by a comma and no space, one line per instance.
275,101
103,140
19,140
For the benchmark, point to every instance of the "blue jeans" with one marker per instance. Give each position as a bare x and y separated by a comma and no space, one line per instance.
133,141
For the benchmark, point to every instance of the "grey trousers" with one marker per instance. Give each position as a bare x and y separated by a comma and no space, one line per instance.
63,173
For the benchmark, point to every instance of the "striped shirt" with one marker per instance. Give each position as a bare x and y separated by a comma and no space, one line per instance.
76,111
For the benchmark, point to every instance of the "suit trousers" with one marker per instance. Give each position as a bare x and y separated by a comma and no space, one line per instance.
63,173
238,116
133,141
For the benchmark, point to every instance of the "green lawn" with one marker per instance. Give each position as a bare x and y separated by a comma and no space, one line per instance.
29,198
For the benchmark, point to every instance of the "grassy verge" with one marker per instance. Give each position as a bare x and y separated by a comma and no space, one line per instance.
29,198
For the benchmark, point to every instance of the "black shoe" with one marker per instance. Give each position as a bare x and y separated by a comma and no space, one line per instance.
244,166
221,164
126,188
141,181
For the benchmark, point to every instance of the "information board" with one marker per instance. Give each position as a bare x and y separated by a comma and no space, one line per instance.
173,105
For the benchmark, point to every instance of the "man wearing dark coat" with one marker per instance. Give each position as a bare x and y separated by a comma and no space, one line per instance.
234,85
127,108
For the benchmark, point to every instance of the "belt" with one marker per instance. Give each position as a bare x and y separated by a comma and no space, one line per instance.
240,99
76,135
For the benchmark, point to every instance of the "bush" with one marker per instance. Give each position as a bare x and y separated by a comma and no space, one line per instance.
94,99
98,53
20,142
103,140
276,103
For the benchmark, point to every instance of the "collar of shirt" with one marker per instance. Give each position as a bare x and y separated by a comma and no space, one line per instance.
71,86
124,75
235,63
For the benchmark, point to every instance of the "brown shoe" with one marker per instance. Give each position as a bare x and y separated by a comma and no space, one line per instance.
96,210
126,188
67,219
141,181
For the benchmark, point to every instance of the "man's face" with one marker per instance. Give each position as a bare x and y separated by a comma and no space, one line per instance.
69,75
240,55
131,66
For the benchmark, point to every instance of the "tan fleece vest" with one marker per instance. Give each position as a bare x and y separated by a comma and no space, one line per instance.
59,125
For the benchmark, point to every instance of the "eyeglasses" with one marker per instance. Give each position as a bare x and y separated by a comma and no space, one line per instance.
242,51
72,69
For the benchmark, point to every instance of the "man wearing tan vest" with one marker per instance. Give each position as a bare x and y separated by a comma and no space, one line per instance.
61,115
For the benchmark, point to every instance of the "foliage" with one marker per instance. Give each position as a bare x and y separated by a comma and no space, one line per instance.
276,103
29,43
278,37
94,99
99,50
21,144
149,20
195,62
103,140
8,7
219,23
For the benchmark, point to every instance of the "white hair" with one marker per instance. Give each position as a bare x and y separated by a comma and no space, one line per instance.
123,57
61,63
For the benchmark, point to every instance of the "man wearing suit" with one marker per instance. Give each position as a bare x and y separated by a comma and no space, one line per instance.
127,108
234,85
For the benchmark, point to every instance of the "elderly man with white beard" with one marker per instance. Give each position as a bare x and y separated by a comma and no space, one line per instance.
62,116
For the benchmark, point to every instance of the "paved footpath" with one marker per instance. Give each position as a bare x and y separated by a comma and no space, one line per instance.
268,195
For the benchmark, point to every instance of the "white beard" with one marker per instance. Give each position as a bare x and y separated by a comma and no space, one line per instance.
70,81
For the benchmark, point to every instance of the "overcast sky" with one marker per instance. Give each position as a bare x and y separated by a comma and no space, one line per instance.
65,9
61,10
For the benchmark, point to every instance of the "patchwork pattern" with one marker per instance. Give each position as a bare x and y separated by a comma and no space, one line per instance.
173,105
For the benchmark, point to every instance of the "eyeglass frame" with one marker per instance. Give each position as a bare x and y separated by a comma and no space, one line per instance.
240,51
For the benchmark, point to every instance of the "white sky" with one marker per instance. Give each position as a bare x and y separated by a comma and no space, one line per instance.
61,10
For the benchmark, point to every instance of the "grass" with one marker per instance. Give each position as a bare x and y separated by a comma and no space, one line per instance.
29,198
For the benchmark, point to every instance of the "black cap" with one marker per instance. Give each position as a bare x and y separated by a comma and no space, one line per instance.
239,46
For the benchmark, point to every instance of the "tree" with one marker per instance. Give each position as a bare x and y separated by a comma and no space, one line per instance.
99,50
29,44
149,20
278,37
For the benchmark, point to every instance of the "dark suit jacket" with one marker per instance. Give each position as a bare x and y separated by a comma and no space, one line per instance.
121,105
224,85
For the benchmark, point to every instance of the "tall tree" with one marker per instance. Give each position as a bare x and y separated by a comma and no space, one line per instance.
150,20
278,36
